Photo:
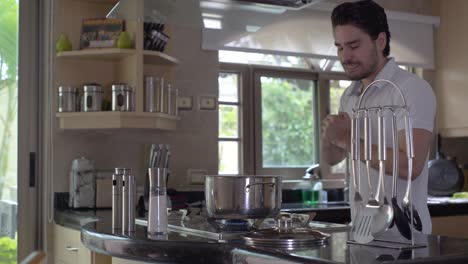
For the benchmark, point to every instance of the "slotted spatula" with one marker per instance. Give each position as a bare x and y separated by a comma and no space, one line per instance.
362,233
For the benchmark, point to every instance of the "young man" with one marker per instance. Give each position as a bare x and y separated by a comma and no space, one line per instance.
362,39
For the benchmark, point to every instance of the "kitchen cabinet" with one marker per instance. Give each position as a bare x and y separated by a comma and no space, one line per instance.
452,69
453,226
107,66
68,248
126,261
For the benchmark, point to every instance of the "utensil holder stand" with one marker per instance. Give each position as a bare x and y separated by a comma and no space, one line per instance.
365,215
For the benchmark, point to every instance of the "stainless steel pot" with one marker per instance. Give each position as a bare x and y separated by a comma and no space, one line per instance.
242,197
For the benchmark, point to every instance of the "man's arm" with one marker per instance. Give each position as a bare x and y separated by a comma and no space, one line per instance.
421,141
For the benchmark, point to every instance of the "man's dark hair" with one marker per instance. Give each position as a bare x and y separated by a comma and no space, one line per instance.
367,15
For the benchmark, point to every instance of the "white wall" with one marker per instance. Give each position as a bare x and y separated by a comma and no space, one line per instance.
194,143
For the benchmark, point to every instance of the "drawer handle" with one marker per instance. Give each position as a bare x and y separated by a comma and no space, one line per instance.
72,248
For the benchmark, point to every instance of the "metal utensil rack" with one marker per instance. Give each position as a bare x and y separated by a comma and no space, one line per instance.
358,226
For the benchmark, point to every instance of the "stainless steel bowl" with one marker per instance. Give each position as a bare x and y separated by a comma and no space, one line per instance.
242,197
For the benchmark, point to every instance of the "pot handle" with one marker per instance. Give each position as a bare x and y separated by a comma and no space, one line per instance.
271,184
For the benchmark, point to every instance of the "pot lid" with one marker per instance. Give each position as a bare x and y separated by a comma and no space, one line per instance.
289,239
445,178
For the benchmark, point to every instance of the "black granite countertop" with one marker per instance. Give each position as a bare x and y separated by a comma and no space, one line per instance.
185,248
338,212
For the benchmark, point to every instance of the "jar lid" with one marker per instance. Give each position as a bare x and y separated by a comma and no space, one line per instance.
93,87
67,89
121,87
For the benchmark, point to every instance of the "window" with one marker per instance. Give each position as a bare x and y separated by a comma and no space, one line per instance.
229,120
270,124
286,122
337,88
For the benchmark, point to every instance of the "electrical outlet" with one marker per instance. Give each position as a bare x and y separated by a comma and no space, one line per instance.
207,102
184,102
196,176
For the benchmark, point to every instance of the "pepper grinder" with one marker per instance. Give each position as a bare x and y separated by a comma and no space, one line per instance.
117,179
128,203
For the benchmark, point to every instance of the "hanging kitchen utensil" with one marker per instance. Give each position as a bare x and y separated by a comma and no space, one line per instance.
384,217
445,177
355,157
362,233
399,218
408,208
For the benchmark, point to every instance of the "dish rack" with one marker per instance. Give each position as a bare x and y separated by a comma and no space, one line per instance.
375,216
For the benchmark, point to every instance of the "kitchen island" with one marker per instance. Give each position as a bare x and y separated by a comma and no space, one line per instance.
185,248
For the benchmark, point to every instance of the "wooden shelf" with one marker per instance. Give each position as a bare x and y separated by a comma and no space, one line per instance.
158,58
97,54
111,120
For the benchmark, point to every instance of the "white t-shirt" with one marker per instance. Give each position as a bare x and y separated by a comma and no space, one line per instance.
421,103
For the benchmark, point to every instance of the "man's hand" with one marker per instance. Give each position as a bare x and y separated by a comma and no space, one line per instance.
336,129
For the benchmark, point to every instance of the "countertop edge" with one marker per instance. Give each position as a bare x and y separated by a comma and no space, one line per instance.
161,251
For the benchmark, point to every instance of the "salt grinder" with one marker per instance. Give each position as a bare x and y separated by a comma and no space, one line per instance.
157,211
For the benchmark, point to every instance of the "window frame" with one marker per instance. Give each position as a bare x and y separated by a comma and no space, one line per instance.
244,153
239,119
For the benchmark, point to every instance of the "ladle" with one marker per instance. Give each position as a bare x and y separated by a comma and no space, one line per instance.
384,217
399,217
410,212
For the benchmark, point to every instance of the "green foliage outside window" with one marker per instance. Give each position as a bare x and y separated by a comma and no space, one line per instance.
8,92
8,250
8,112
228,121
288,123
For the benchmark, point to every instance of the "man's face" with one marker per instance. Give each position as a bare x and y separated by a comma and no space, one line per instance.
358,53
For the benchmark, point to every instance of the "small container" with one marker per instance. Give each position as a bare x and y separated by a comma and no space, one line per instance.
173,93
92,97
157,211
67,99
122,98
128,203
152,93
